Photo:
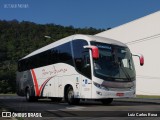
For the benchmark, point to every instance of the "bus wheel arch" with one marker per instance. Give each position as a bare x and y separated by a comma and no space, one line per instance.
69,95
65,91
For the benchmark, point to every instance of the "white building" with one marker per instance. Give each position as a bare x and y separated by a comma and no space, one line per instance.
142,36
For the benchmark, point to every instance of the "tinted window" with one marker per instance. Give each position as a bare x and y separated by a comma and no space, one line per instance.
81,57
60,54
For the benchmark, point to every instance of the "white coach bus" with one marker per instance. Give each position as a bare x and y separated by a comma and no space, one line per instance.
78,67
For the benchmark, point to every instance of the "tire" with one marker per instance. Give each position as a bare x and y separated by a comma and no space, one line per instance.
30,98
70,97
56,99
107,101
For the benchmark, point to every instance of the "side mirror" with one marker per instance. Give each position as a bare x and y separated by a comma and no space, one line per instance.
141,59
95,51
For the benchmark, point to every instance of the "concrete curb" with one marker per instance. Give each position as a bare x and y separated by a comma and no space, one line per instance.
139,100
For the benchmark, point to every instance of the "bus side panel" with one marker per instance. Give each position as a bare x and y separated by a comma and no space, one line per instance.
24,81
86,87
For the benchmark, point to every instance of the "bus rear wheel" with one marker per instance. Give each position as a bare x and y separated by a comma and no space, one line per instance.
70,97
107,101
30,98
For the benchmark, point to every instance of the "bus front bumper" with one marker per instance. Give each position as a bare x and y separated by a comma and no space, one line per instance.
100,94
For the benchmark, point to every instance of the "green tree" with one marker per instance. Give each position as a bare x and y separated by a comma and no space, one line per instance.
17,39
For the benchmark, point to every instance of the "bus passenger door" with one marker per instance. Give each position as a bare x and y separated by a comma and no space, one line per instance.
83,66
86,76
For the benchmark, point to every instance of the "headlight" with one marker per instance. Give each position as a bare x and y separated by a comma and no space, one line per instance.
100,86
132,88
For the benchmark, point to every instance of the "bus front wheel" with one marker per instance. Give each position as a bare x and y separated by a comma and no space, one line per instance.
70,97
107,101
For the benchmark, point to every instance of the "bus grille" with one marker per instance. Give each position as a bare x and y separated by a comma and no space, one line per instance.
119,89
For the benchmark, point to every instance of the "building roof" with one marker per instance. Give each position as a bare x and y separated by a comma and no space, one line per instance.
132,31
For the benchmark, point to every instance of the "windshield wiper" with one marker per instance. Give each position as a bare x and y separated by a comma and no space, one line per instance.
125,72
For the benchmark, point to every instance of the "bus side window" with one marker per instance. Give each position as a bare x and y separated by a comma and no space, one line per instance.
86,66
81,57
86,59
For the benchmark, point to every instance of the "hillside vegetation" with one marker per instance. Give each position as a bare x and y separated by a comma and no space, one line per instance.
18,39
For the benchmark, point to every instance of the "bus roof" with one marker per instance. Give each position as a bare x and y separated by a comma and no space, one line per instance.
74,37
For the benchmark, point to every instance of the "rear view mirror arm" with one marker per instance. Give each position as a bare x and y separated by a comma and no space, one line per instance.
141,58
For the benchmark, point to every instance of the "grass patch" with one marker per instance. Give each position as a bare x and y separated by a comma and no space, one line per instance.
148,96
10,94
19,118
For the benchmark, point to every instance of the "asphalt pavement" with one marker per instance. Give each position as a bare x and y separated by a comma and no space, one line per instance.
123,108
140,100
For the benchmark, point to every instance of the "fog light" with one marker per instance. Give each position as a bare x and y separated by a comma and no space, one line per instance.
99,93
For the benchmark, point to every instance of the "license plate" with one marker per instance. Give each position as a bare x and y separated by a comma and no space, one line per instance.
120,94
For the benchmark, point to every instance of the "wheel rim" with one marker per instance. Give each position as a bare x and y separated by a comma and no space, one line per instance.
27,95
70,95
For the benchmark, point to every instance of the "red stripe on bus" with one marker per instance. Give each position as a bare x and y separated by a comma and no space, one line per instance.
37,90
35,83
43,85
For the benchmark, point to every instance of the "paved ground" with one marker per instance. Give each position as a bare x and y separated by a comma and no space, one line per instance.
123,108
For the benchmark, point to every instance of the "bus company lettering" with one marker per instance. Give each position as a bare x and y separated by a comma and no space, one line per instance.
53,71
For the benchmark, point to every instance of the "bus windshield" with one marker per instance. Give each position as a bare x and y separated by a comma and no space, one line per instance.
115,63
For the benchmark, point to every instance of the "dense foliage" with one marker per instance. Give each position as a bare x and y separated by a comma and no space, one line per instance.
18,39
